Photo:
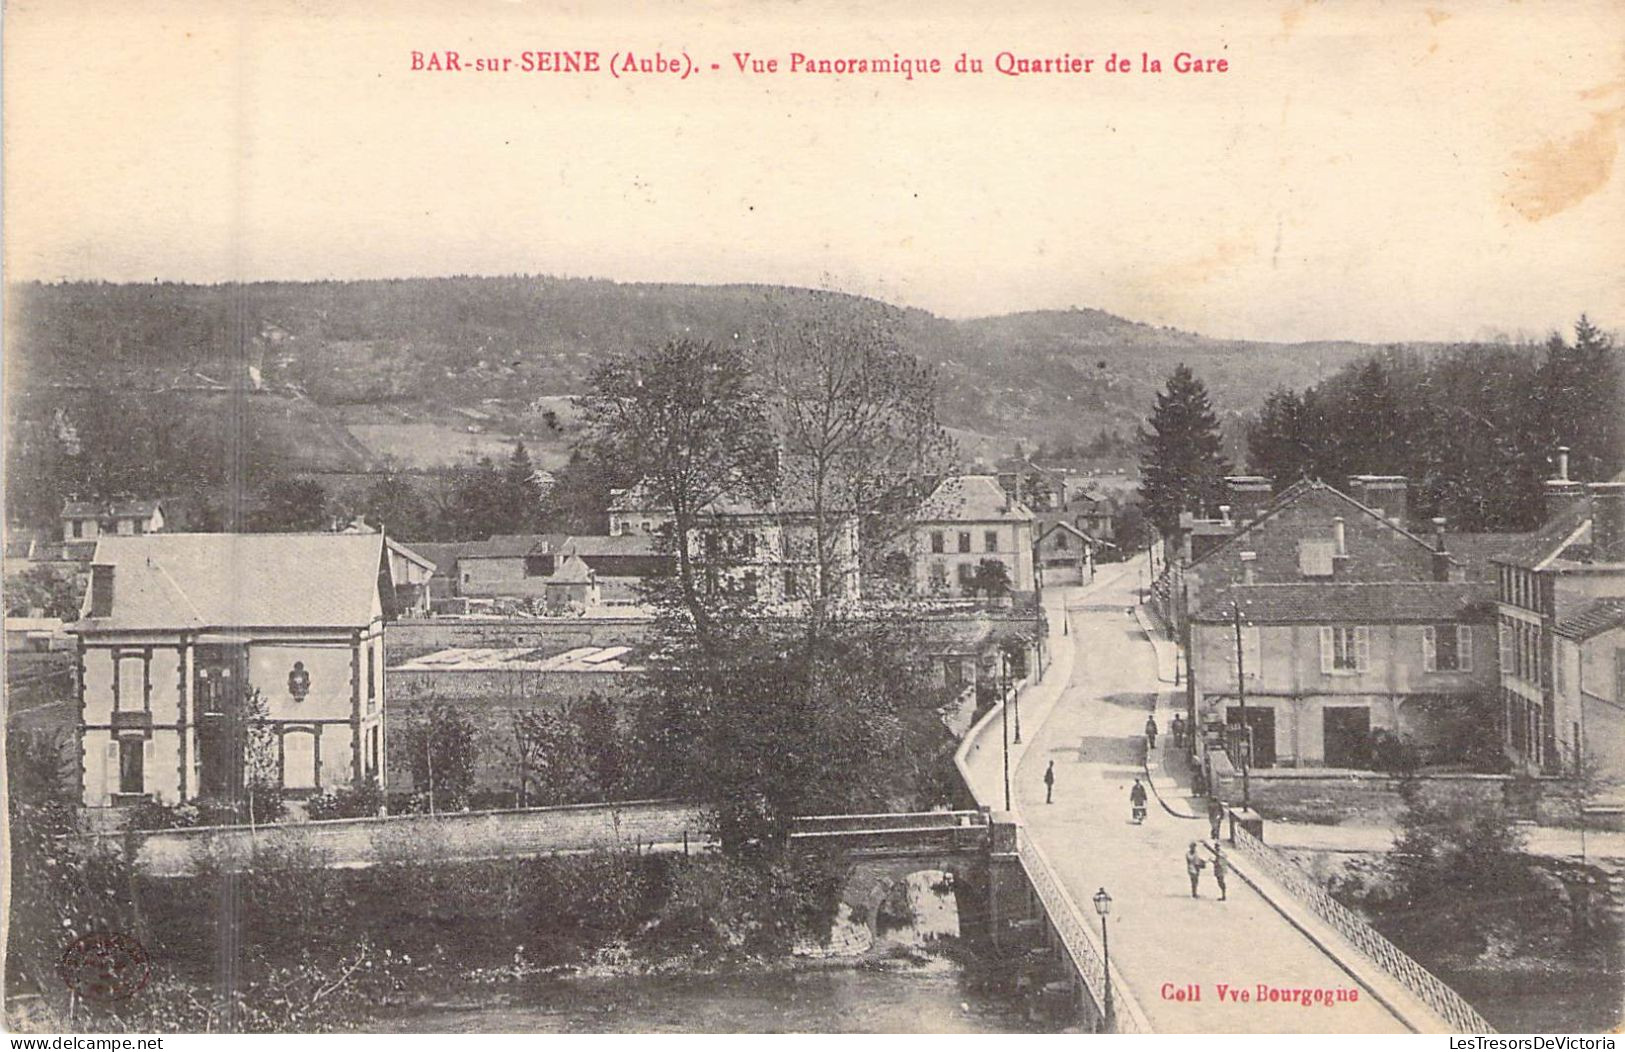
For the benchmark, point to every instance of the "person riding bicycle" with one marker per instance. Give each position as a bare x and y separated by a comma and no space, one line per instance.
1136,799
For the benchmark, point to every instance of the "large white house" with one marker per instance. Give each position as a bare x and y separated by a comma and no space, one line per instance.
177,629
969,519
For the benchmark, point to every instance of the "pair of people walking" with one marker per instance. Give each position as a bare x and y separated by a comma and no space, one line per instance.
1195,863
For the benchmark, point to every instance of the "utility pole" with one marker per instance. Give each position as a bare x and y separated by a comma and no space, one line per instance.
1241,700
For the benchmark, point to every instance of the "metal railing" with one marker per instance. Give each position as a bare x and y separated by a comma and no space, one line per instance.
1429,988
1078,936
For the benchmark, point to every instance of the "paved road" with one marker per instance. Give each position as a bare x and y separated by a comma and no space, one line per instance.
1159,934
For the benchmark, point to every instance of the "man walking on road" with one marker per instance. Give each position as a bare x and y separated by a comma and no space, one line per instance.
1151,731
1193,867
1177,729
1215,818
1049,783
1219,868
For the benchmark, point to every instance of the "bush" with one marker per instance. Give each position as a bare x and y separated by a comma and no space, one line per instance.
1393,753
363,801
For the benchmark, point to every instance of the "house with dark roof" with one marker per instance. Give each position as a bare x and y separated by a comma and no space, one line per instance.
524,566
1589,690
966,521
184,636
1337,624
1577,557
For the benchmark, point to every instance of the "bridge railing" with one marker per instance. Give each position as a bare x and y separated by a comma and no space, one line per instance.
897,820
1081,941
1432,991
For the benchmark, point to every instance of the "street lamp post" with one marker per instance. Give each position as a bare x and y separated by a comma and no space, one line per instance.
1014,700
1103,906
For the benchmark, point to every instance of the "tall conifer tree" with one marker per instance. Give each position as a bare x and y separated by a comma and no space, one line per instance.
1182,466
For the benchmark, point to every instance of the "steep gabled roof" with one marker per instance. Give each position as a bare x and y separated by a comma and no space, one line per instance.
1291,495
1548,542
225,580
972,498
1377,602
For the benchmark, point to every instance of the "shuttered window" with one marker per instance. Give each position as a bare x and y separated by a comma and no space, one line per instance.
1344,649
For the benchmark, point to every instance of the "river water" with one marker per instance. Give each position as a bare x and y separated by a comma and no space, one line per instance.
939,997
914,977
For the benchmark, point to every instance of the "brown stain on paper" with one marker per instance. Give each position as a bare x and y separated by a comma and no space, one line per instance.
1558,174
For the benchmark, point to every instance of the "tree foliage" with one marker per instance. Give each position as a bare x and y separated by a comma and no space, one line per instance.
440,750
857,418
687,419
1473,427
45,589
1182,466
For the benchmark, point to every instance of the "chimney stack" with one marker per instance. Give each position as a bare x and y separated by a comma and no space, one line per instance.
1441,561
1608,522
1249,495
1247,568
1224,513
1385,494
101,590
1562,493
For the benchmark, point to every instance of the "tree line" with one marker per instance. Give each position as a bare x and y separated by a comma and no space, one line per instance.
1473,427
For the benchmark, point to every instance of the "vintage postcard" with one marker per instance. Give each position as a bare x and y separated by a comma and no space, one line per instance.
889,517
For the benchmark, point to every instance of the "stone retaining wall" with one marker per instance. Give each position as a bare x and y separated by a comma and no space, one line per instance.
630,826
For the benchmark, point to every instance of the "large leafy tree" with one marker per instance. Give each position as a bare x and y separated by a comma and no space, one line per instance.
687,419
1182,466
858,420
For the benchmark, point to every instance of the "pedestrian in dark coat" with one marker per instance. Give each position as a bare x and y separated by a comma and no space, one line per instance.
1049,783
1151,731
1177,729
1220,868
1215,818
1193,867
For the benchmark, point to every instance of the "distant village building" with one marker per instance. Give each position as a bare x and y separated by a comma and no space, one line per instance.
969,519
1067,554
525,567
179,631
87,520
765,550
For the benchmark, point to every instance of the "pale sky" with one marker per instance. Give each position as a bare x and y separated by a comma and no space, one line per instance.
1365,170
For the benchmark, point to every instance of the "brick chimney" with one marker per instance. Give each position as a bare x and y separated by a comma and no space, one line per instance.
1249,496
1608,522
1441,560
1562,493
101,590
1248,562
1386,494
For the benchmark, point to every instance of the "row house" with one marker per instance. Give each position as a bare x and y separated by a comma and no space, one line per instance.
1577,557
1349,623
1067,554
183,636
564,573
965,521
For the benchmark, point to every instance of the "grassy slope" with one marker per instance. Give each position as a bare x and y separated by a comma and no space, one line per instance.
416,352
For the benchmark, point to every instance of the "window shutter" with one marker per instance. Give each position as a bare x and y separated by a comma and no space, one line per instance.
1505,639
1325,650
1430,649
1464,647
1362,648
149,757
110,771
